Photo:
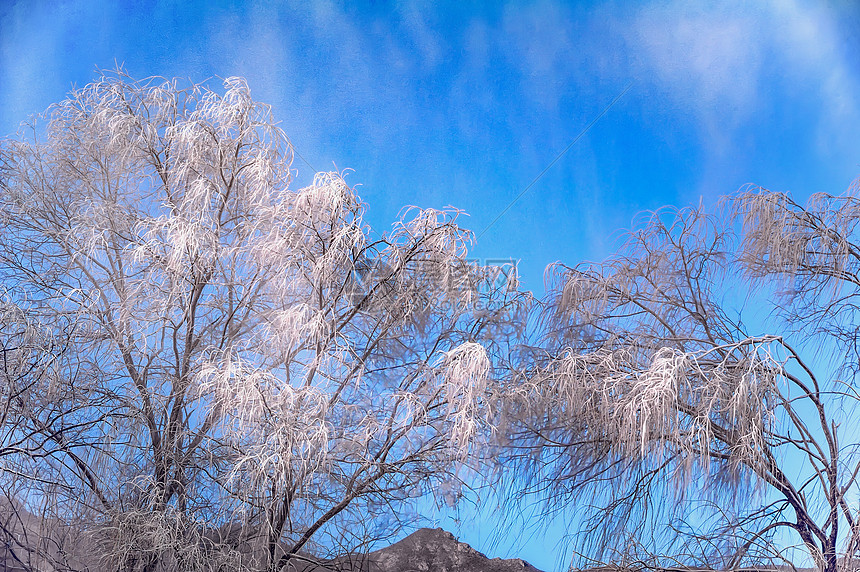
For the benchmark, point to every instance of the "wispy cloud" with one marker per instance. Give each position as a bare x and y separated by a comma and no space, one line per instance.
811,39
724,62
708,62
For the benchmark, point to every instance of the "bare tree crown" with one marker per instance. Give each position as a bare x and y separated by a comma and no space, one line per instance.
245,352
652,398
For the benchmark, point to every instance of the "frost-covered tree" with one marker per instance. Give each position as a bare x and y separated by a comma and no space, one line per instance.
43,415
698,391
259,376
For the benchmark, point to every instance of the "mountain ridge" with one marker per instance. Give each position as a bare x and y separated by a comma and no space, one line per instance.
437,550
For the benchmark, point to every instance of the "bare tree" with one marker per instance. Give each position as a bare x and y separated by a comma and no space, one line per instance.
704,423
270,373
25,365
43,416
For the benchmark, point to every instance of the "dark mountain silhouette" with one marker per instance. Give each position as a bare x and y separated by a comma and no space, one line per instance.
425,550
435,550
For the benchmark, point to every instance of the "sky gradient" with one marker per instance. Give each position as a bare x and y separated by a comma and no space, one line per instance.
445,103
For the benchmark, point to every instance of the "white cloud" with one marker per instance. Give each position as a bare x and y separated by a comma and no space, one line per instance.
707,63
719,61
809,38
714,60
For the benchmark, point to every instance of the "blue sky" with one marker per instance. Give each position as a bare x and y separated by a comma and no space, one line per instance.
449,103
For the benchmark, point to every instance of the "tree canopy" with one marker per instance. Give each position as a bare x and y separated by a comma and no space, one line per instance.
226,352
702,381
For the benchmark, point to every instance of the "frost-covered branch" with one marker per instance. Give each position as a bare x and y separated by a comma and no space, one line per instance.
650,397
261,358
